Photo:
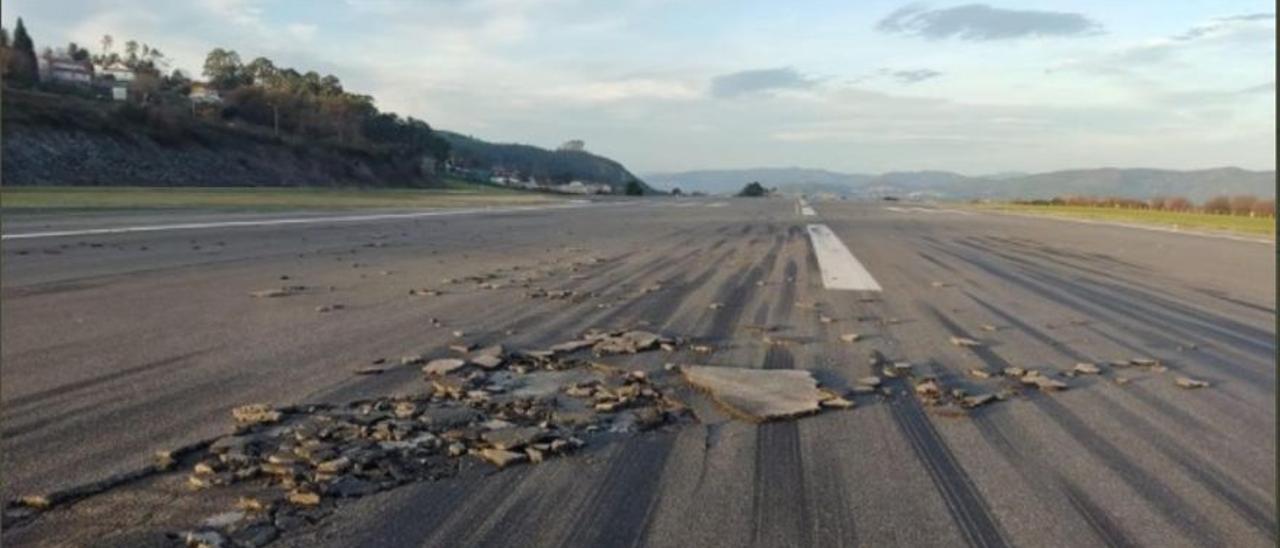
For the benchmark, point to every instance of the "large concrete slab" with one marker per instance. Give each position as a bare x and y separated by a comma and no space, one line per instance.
758,395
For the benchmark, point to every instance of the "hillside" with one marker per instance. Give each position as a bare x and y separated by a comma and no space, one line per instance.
54,139
557,166
1197,185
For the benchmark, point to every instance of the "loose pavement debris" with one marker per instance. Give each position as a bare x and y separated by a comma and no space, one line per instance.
529,408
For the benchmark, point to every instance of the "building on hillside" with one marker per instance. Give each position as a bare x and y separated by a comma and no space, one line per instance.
202,94
62,69
116,71
574,145
579,187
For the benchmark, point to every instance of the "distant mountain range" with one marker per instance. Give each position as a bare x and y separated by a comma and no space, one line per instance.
1196,185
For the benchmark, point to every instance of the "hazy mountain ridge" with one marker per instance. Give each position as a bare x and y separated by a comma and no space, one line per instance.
1196,185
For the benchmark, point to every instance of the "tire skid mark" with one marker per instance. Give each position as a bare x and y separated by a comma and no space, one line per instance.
12,405
780,507
1158,405
618,510
1050,481
1255,512
732,296
1157,494
1166,311
1114,314
967,507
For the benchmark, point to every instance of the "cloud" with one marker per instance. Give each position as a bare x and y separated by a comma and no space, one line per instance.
911,76
754,81
983,22
1224,26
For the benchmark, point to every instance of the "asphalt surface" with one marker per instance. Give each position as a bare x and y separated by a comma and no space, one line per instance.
116,345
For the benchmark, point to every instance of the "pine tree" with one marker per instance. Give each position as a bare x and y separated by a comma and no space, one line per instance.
23,69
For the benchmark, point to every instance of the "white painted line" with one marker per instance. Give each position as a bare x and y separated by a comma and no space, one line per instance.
807,211
289,221
840,269
717,204
896,209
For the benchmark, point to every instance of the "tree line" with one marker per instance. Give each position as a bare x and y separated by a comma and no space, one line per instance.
1242,204
282,100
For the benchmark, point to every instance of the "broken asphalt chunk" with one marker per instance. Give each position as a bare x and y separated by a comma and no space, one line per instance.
758,395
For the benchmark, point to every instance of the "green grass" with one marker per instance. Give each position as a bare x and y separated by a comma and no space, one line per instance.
1257,226
452,194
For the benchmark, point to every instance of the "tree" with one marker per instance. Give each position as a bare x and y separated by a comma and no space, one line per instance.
77,53
22,68
144,85
752,190
1243,205
677,192
633,188
1218,204
222,68
261,72
106,42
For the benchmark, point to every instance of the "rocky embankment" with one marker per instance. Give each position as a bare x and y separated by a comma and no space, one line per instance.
47,155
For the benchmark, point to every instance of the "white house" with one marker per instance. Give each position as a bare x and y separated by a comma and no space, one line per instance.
66,70
117,71
204,95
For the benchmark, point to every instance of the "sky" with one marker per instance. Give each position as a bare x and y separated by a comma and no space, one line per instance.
672,85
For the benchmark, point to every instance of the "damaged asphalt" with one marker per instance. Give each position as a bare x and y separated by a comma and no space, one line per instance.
595,378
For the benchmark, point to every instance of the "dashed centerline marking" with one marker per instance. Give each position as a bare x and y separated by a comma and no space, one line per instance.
840,269
289,221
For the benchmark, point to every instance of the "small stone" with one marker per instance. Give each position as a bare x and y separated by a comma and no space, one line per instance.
1188,382
501,458
412,359
304,498
1014,372
1143,362
535,456
964,342
1085,368
487,362
514,437
164,460
256,413
979,373
204,539
989,327
350,487
250,504
702,348
1122,380
269,293
850,337
459,334
457,449
443,366
836,402
369,370
826,319
40,502
971,402
715,306
461,348
871,381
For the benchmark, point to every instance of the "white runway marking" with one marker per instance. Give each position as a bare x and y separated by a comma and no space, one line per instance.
840,269
292,221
